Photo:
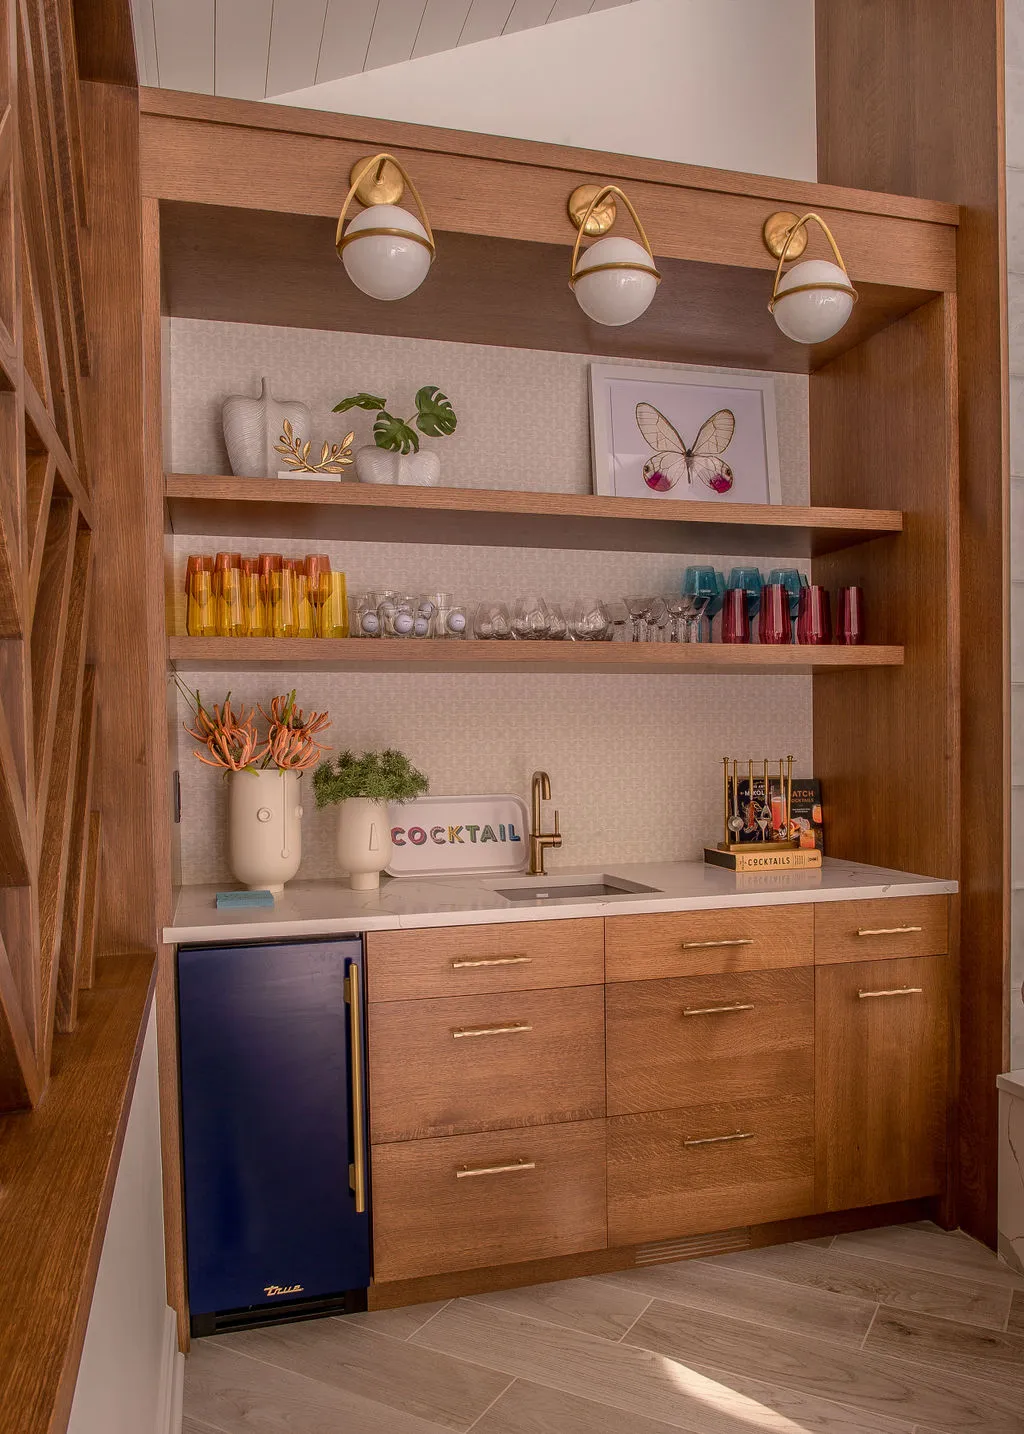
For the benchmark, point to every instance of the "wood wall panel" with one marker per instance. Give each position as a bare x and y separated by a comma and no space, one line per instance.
910,101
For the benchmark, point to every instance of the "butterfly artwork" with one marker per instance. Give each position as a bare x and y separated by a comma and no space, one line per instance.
672,458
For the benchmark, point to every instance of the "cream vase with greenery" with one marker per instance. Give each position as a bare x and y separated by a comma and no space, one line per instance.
363,787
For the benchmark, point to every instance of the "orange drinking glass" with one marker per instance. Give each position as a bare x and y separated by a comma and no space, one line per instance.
227,591
254,601
333,605
200,610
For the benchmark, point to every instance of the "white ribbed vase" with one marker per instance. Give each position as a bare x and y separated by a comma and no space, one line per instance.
364,841
408,470
253,425
264,828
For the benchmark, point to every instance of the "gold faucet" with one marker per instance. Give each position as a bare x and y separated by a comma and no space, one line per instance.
538,839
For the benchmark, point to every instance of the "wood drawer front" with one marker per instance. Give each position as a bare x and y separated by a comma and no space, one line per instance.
659,1187
428,1220
473,960
707,943
699,1039
869,930
881,1081
450,1066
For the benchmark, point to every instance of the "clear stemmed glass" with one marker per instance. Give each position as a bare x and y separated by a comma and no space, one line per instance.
638,617
657,619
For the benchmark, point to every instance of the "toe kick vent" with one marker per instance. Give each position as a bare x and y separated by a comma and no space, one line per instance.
722,1242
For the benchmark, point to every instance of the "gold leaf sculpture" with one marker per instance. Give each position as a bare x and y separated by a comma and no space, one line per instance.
334,457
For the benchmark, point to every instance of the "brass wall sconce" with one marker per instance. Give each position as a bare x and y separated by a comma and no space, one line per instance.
386,251
615,279
813,300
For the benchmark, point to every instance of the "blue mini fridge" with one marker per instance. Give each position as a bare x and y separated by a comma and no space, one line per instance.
274,1131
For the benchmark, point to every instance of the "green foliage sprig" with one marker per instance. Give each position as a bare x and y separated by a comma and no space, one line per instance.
386,776
434,416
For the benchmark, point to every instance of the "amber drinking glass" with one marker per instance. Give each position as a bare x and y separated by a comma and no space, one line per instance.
332,605
227,593
200,609
303,602
254,603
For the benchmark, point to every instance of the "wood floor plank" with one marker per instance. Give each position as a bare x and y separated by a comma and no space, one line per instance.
585,1304
638,1382
1016,1320
981,1354
876,1384
803,1264
235,1394
942,1254
431,1386
399,1323
527,1408
709,1285
194,1426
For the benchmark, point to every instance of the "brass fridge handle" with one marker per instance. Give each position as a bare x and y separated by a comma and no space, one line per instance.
895,991
722,1139
465,1172
493,961
714,1010
512,1030
734,941
887,930
357,1170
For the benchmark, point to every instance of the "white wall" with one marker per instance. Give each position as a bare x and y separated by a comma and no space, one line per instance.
725,83
129,1379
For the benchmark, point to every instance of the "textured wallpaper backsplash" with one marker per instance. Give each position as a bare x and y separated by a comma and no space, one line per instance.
635,762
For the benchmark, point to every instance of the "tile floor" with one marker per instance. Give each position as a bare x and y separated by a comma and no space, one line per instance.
905,1330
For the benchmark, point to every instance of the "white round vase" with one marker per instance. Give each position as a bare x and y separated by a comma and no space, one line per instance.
364,841
407,470
264,828
252,426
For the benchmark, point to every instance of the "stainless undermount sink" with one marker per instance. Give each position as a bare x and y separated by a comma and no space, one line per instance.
571,888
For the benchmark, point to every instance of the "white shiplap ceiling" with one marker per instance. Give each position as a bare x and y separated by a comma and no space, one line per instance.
254,49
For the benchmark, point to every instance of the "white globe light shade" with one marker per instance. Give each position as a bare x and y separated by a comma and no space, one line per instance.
386,266
614,296
815,314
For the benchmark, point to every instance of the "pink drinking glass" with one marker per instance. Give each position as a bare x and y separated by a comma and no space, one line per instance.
850,618
814,619
774,625
735,619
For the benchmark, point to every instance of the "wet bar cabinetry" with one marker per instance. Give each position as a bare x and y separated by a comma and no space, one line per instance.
239,207
598,1088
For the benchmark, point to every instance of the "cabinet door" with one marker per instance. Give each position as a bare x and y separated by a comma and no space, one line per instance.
881,1043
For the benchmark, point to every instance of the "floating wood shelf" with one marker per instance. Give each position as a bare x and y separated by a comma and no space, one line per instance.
199,654
270,509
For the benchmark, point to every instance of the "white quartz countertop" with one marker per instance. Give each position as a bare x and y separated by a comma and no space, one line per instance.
327,908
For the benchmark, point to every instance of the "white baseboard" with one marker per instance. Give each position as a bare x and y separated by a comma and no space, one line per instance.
172,1379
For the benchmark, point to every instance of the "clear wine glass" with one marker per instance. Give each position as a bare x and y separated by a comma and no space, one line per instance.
492,620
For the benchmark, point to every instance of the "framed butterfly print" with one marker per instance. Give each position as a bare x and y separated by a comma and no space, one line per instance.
669,434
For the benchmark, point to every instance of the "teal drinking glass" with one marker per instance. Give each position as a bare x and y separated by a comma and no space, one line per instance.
708,584
751,581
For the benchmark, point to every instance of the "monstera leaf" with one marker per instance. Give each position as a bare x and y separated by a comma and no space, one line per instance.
434,414
359,400
395,435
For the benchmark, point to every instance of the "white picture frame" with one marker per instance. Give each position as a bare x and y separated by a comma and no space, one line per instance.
686,398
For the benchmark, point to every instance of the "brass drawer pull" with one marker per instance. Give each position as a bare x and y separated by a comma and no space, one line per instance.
512,1030
735,941
896,991
493,961
713,1010
466,1171
887,930
722,1139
